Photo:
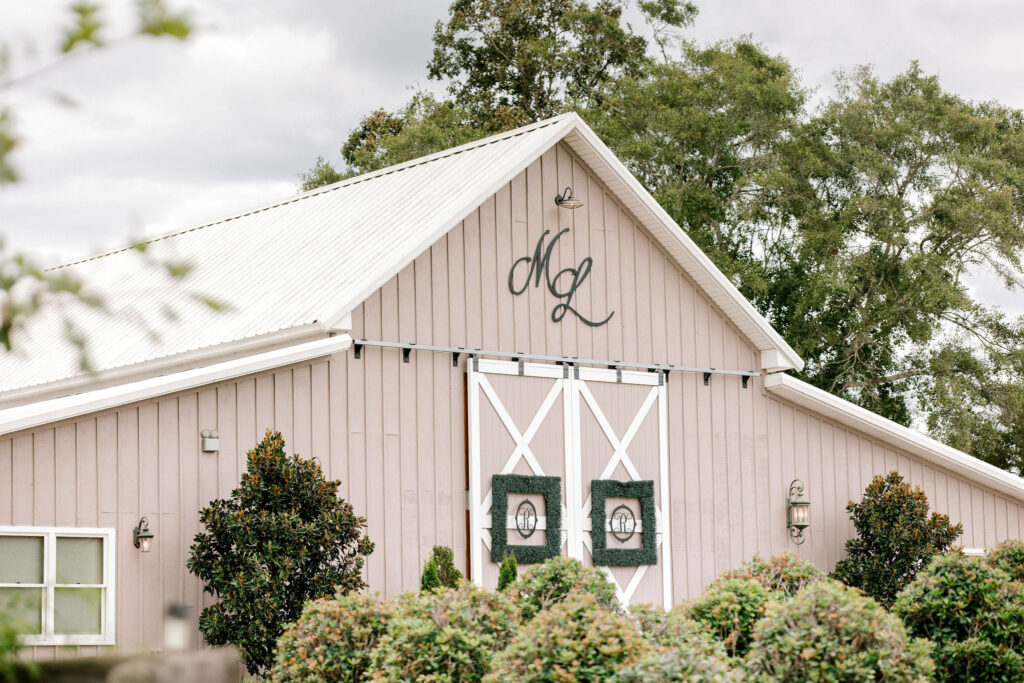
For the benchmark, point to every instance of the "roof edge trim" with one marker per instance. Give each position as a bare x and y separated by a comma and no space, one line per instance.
786,357
165,364
825,404
67,407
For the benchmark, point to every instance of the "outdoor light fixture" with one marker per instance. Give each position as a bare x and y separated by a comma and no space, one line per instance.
142,536
798,511
210,440
567,200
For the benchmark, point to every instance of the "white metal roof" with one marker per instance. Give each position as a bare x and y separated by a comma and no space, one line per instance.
295,269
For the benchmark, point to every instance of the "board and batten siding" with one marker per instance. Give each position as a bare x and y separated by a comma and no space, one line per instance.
394,432
111,468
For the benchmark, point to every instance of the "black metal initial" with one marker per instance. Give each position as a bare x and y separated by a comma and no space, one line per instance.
540,270
526,519
623,523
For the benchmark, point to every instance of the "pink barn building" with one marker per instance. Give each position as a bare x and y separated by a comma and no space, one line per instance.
487,361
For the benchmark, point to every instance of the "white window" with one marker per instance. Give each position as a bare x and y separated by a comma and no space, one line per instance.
58,583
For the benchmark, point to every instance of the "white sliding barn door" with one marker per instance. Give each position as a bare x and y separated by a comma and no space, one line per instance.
517,425
580,425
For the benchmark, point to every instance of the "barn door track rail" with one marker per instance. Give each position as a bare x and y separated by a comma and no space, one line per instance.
455,352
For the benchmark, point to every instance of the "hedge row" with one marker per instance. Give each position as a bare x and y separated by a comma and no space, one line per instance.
962,619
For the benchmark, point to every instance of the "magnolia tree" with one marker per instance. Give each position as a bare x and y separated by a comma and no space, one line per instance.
282,538
896,538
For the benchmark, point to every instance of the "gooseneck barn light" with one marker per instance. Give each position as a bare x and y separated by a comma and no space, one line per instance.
798,511
142,536
567,200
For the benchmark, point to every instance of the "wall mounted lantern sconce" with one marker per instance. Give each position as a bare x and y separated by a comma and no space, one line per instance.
142,537
798,511
210,440
567,200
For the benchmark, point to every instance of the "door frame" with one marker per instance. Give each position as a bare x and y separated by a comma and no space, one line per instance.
571,383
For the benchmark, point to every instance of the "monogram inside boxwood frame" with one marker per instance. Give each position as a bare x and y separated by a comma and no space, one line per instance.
551,489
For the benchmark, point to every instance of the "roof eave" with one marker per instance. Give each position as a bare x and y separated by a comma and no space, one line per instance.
76,405
164,365
776,353
830,406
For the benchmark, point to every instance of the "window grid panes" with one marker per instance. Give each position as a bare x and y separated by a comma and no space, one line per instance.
58,583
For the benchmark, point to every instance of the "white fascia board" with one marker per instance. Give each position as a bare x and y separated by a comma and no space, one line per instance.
66,407
186,360
827,405
773,361
785,357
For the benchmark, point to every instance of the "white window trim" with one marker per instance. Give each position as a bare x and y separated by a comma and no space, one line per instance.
107,611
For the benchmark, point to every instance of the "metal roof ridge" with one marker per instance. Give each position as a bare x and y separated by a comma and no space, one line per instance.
365,177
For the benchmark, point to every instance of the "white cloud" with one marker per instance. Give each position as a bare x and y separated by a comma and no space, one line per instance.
169,133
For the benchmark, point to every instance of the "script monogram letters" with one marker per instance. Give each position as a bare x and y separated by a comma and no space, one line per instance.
540,271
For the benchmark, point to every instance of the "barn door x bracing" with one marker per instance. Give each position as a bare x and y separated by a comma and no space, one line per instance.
557,452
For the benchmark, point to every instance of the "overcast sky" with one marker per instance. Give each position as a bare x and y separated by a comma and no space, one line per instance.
166,134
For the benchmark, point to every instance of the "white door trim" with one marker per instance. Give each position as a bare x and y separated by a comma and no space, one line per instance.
571,386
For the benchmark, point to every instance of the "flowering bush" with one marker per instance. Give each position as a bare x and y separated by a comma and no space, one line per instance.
975,615
547,584
785,574
444,635
332,640
730,608
577,639
829,632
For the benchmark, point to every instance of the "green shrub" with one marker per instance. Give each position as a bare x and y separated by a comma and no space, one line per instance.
976,659
11,668
331,640
688,663
444,560
547,584
785,574
896,538
669,627
508,572
430,580
975,615
284,537
577,639
730,608
1009,556
683,650
829,632
446,635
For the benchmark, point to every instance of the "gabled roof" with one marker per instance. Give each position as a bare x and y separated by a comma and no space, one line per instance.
294,270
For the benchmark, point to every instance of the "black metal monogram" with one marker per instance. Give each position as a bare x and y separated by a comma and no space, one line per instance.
540,270
526,519
623,523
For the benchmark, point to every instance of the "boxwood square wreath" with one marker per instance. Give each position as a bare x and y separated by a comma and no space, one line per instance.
551,489
647,553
